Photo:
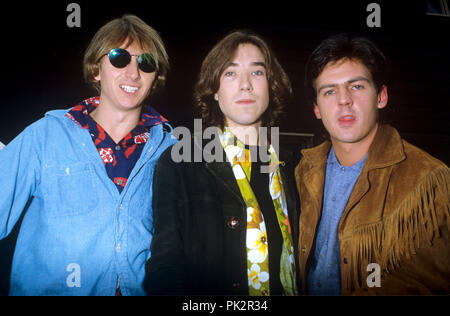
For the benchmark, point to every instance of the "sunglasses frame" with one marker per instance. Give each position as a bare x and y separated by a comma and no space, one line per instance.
140,59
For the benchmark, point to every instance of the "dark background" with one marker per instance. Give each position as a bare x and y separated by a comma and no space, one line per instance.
41,61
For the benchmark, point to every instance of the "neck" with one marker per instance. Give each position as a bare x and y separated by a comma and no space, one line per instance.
249,135
116,123
350,153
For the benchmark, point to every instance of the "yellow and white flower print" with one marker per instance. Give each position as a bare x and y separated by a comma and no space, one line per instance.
238,172
233,151
250,211
257,243
274,186
256,240
255,276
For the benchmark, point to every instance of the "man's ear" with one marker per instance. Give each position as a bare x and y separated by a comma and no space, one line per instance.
97,77
316,111
382,97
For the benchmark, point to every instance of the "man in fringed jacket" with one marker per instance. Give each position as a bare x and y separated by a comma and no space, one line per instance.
375,209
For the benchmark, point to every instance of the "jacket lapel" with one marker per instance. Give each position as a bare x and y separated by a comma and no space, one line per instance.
315,176
386,150
287,176
223,172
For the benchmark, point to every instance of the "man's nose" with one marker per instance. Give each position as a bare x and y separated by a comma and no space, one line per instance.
344,97
245,83
132,69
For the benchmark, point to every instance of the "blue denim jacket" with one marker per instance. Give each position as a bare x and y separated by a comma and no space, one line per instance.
79,235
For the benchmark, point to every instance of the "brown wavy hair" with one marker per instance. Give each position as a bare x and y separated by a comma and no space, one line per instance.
215,63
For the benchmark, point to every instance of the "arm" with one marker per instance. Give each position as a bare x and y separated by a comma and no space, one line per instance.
166,268
422,268
19,176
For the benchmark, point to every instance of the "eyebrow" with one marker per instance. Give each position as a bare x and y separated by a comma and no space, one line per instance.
256,63
332,85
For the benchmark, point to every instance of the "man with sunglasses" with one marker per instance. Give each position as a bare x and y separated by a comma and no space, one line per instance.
83,176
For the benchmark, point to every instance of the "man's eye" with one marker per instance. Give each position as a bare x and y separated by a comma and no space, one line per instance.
358,87
329,92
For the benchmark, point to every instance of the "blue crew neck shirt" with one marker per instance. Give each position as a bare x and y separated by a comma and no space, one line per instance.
324,276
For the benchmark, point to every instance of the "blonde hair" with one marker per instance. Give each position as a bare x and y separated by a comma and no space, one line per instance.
112,35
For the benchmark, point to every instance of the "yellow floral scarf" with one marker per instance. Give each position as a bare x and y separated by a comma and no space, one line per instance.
256,240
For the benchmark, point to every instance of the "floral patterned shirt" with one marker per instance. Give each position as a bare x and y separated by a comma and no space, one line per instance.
119,159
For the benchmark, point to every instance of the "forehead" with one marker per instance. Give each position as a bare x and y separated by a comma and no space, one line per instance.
133,47
247,53
131,44
343,70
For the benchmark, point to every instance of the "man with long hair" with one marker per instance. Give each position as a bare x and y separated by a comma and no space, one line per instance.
226,226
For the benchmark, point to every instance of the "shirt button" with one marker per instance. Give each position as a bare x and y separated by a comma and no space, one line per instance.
119,182
333,199
118,247
345,260
117,147
236,285
304,250
233,222
120,207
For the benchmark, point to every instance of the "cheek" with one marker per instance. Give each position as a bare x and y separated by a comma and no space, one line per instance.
224,104
370,108
224,97
149,79
266,98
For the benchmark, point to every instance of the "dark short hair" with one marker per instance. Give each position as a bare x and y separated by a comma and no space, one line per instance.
215,63
345,46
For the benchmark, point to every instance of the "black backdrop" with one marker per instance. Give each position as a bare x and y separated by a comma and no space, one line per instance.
42,60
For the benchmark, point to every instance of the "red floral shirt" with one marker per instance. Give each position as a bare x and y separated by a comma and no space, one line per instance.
119,159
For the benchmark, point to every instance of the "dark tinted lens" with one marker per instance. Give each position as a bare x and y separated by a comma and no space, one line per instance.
146,63
119,58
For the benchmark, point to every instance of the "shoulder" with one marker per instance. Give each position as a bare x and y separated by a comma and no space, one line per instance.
49,122
420,158
418,168
315,156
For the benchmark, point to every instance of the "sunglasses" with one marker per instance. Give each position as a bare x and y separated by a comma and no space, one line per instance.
120,58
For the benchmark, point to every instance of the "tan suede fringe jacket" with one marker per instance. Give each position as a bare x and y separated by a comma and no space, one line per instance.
398,216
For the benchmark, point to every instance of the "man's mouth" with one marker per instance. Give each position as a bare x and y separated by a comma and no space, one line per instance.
347,119
245,101
129,89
